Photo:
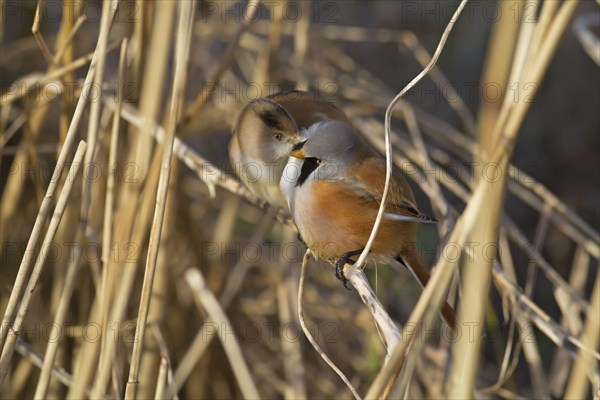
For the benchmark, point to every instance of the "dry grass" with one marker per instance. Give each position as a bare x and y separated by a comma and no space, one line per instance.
154,259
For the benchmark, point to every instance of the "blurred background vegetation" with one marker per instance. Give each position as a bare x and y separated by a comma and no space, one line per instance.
351,51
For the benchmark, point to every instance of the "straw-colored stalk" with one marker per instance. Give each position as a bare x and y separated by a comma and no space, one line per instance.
309,335
107,227
70,279
291,351
204,337
186,15
388,118
134,234
46,203
41,80
151,88
215,77
206,300
477,276
15,327
35,30
585,369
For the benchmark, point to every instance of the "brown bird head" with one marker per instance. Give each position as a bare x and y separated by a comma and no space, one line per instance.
266,131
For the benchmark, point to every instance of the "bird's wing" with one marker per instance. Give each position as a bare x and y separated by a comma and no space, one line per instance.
368,180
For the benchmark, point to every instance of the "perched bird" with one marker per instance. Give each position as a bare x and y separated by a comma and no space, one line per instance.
336,196
265,133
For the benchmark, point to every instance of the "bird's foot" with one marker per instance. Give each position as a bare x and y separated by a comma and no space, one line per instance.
339,265
339,271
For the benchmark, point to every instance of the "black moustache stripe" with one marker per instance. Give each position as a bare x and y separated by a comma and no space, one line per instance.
308,166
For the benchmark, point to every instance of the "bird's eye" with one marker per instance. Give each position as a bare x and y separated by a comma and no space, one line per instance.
320,162
278,136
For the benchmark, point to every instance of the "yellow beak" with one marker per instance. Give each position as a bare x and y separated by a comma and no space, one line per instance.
297,150
298,154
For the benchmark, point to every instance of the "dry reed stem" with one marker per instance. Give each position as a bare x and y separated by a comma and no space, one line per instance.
41,80
84,360
164,351
547,13
204,337
93,127
64,53
431,299
300,46
109,204
507,131
521,184
388,117
524,243
109,9
497,70
585,366
205,94
477,279
310,337
134,233
539,383
15,327
539,236
155,69
152,351
12,129
571,321
589,41
207,301
453,98
30,355
384,323
161,381
71,35
45,206
69,283
35,29
267,56
459,191
139,39
433,189
478,271
186,15
290,353
506,369
541,320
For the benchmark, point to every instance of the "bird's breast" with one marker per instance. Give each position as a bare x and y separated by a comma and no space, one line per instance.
333,220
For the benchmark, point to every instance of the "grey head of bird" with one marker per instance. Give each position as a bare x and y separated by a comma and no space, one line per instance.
329,152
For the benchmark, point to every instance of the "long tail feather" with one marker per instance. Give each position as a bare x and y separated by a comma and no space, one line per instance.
415,266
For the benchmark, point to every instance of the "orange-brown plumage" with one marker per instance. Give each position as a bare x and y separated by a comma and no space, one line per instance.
336,198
